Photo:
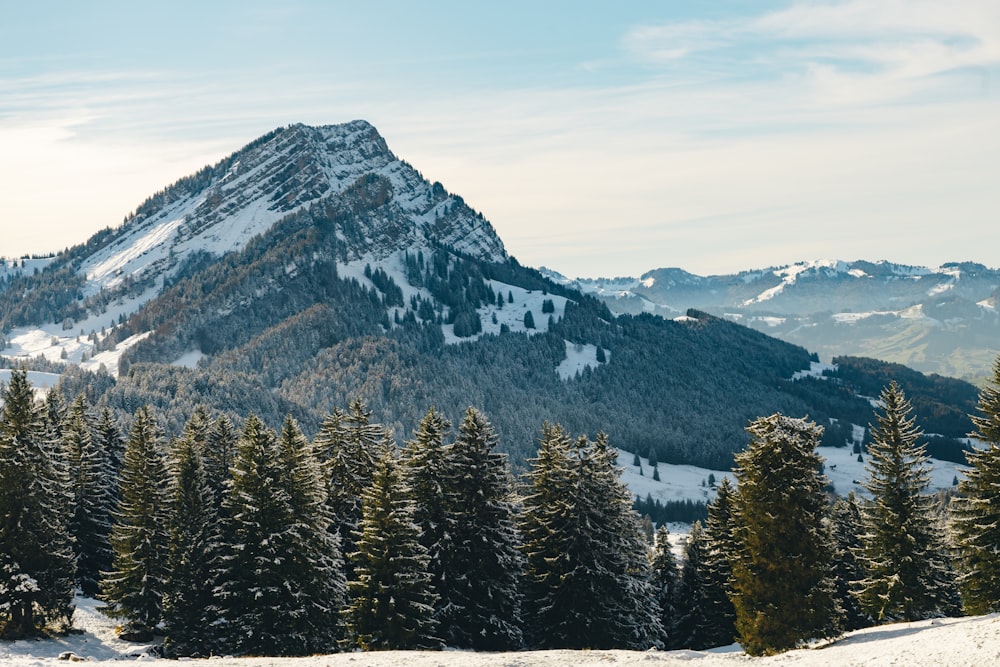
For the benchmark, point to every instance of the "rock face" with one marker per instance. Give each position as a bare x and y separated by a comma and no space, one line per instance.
222,207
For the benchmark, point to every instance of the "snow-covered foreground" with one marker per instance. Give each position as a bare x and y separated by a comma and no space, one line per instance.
956,642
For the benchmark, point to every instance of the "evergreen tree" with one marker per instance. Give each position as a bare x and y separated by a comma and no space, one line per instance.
529,320
665,579
906,571
587,577
90,523
845,517
977,510
782,585
347,446
426,476
109,442
720,616
193,545
36,554
217,457
317,565
480,603
692,627
392,599
133,589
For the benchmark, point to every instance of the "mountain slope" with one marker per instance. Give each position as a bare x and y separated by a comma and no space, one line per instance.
941,320
313,266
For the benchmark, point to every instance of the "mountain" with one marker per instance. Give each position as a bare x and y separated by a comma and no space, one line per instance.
313,266
938,320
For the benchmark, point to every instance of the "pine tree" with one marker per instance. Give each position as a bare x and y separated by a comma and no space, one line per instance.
426,476
665,580
976,511
692,627
719,613
587,577
109,442
782,584
391,596
317,565
193,546
36,554
347,446
217,458
845,518
906,571
133,589
480,603
90,523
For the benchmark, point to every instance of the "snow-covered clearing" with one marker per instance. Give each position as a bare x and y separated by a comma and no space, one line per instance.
578,357
956,642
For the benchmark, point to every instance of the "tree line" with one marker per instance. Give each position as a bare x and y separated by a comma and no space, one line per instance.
263,542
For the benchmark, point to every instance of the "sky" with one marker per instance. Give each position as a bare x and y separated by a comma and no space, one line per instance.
599,138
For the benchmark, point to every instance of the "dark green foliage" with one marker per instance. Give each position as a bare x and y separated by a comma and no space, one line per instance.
782,584
391,597
133,589
907,575
193,548
91,478
586,575
480,603
217,457
845,519
36,555
680,511
280,584
720,544
529,320
976,511
665,578
692,625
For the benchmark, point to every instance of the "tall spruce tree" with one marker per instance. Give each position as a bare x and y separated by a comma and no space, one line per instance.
317,579
694,628
782,584
587,577
480,605
426,476
90,522
976,511
217,457
665,579
36,554
720,615
279,582
845,519
391,596
193,545
133,589
109,442
907,576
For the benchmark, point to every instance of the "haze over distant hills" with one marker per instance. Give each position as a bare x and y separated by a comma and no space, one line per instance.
313,266
938,320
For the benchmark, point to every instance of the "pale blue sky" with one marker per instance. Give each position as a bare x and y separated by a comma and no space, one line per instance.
600,138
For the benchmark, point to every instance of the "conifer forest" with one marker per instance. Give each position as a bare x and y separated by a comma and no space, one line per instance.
258,540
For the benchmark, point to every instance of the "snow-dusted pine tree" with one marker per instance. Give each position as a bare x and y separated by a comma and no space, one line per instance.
480,603
192,549
907,575
391,597
976,511
719,614
845,519
693,627
133,589
217,457
782,583
587,576
665,579
90,522
36,555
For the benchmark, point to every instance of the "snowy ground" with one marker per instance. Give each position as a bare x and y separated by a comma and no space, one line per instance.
956,642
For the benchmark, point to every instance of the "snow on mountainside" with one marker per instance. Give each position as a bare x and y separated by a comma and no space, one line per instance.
935,319
223,207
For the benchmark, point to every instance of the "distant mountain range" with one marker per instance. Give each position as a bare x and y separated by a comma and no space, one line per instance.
938,320
314,266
